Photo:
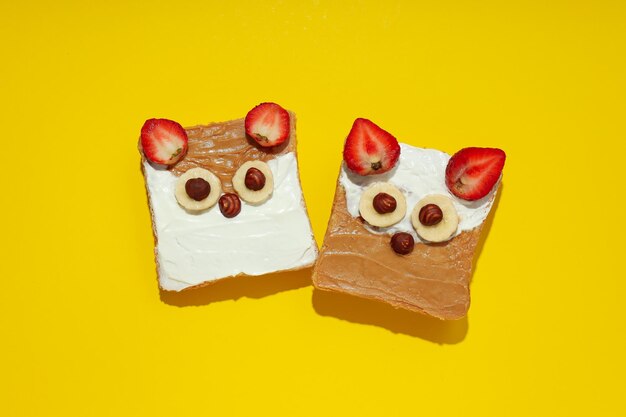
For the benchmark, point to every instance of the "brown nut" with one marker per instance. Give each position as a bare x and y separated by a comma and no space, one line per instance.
197,188
255,179
384,203
402,243
430,215
230,205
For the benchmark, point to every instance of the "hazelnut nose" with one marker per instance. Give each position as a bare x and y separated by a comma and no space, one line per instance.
230,205
402,243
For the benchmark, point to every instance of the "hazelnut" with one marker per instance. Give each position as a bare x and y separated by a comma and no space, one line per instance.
197,188
230,205
384,203
430,215
402,243
255,179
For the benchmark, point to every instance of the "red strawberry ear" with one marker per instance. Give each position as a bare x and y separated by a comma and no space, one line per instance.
473,172
163,141
370,150
268,124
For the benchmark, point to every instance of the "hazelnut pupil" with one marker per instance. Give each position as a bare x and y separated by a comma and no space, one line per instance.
255,179
384,203
430,215
197,188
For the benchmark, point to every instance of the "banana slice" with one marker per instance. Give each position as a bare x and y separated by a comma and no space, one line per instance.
434,218
254,182
198,189
382,204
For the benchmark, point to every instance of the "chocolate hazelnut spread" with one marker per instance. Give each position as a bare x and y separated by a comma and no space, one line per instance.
223,147
432,279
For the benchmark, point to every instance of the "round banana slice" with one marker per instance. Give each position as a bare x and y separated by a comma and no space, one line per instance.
198,189
382,204
434,218
254,182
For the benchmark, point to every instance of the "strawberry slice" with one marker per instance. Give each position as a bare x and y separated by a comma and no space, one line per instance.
268,124
472,172
369,149
163,141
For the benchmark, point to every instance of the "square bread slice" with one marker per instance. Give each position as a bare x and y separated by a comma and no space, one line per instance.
433,279
193,250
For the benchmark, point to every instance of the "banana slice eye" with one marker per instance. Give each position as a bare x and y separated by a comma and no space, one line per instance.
382,204
254,182
434,218
197,190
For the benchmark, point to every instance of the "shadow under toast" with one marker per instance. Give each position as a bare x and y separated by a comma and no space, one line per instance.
238,287
363,311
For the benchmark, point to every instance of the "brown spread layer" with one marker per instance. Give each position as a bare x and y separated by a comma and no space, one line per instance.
223,147
433,279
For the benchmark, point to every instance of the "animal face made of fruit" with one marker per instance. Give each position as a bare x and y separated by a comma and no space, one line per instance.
164,142
470,175
220,194
406,222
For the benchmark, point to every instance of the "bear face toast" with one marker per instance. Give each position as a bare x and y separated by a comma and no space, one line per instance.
406,221
225,199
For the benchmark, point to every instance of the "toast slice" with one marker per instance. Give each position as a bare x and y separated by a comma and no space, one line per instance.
194,250
357,259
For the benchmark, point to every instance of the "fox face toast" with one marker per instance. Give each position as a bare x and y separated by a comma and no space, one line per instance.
223,204
406,221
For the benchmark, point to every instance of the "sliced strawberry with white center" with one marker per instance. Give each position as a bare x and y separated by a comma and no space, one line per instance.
472,172
369,149
163,141
268,124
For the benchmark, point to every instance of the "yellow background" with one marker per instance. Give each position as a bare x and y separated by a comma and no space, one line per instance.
83,328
